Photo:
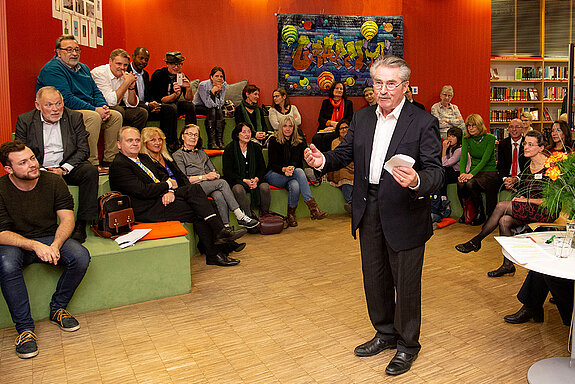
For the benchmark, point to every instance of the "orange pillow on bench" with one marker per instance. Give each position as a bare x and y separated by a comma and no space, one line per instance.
162,230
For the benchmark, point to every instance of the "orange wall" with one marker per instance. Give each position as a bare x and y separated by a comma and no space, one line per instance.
446,42
32,33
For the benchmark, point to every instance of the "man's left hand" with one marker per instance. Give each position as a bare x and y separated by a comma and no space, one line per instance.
168,198
57,171
405,176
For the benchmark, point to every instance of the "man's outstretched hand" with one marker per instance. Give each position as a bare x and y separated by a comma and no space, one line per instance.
313,156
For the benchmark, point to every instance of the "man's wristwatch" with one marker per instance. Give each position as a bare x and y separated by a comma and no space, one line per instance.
201,177
64,170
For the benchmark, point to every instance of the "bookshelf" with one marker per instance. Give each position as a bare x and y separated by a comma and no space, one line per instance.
532,84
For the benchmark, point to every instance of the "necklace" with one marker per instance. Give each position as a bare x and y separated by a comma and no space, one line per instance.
476,140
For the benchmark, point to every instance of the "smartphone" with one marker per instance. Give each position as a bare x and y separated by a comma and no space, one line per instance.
179,78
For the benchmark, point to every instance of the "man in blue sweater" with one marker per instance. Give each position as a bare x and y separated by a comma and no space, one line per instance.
80,92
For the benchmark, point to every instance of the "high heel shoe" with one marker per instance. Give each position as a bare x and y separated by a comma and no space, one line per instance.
468,247
503,270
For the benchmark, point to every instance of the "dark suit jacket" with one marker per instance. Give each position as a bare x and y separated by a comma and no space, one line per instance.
29,129
419,105
327,109
128,178
505,156
405,214
146,78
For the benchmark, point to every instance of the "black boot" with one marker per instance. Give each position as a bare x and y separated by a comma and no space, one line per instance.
480,217
219,128
79,232
211,131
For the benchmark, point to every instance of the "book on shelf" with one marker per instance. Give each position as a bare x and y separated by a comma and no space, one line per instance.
546,114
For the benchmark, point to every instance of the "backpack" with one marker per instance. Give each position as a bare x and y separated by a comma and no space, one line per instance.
115,215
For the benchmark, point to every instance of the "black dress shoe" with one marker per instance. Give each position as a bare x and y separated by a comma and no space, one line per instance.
239,247
222,260
478,220
400,363
524,314
468,247
374,346
79,233
503,270
227,235
461,220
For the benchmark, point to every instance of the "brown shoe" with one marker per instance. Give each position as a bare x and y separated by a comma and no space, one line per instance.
291,218
315,212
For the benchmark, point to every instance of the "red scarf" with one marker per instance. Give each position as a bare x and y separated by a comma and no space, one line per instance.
338,107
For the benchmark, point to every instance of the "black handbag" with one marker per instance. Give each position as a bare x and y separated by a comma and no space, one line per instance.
115,215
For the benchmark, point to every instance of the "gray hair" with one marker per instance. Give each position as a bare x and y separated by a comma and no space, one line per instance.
45,89
62,38
394,62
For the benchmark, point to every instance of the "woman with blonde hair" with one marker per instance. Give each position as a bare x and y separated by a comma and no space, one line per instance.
482,176
285,169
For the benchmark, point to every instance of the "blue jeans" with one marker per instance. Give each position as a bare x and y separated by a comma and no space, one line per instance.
294,184
347,189
13,260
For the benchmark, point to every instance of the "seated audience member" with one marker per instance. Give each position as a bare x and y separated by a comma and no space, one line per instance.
244,169
450,157
522,209
334,109
156,196
80,92
561,140
285,170
342,178
448,114
31,203
482,176
119,88
198,168
209,100
533,293
409,96
511,160
171,87
167,114
283,107
249,112
369,96
59,140
526,119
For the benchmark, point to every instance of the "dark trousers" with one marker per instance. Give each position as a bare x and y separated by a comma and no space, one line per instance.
136,117
85,176
241,195
536,286
392,281
168,117
73,256
192,206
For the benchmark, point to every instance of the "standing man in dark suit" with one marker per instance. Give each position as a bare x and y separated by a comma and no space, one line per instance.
166,114
391,210
158,196
59,139
511,161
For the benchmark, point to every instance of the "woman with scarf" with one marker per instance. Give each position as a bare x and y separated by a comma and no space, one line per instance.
249,112
333,110
244,169
209,100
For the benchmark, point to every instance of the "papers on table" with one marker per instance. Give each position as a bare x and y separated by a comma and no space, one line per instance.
529,249
398,161
130,239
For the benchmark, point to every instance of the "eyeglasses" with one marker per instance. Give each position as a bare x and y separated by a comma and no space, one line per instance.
70,49
389,86
190,134
470,125
176,64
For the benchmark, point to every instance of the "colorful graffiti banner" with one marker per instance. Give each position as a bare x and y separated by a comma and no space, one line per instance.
316,50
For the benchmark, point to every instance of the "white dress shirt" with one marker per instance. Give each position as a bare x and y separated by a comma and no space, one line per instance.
53,145
108,84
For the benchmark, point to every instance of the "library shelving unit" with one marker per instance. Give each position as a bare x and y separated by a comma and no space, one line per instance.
533,84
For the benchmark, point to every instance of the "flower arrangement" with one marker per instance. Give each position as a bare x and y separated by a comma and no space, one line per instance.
559,190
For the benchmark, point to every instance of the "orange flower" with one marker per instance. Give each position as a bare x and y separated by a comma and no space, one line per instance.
553,173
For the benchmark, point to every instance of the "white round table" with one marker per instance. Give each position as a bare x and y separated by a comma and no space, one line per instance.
554,370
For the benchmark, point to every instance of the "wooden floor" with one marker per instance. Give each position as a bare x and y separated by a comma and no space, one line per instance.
292,312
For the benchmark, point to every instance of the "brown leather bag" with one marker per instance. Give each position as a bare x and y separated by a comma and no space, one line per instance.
115,217
271,223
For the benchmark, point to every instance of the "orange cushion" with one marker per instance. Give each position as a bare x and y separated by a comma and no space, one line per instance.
213,152
445,222
162,229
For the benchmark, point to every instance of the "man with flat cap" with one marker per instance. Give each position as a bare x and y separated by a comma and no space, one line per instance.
170,86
